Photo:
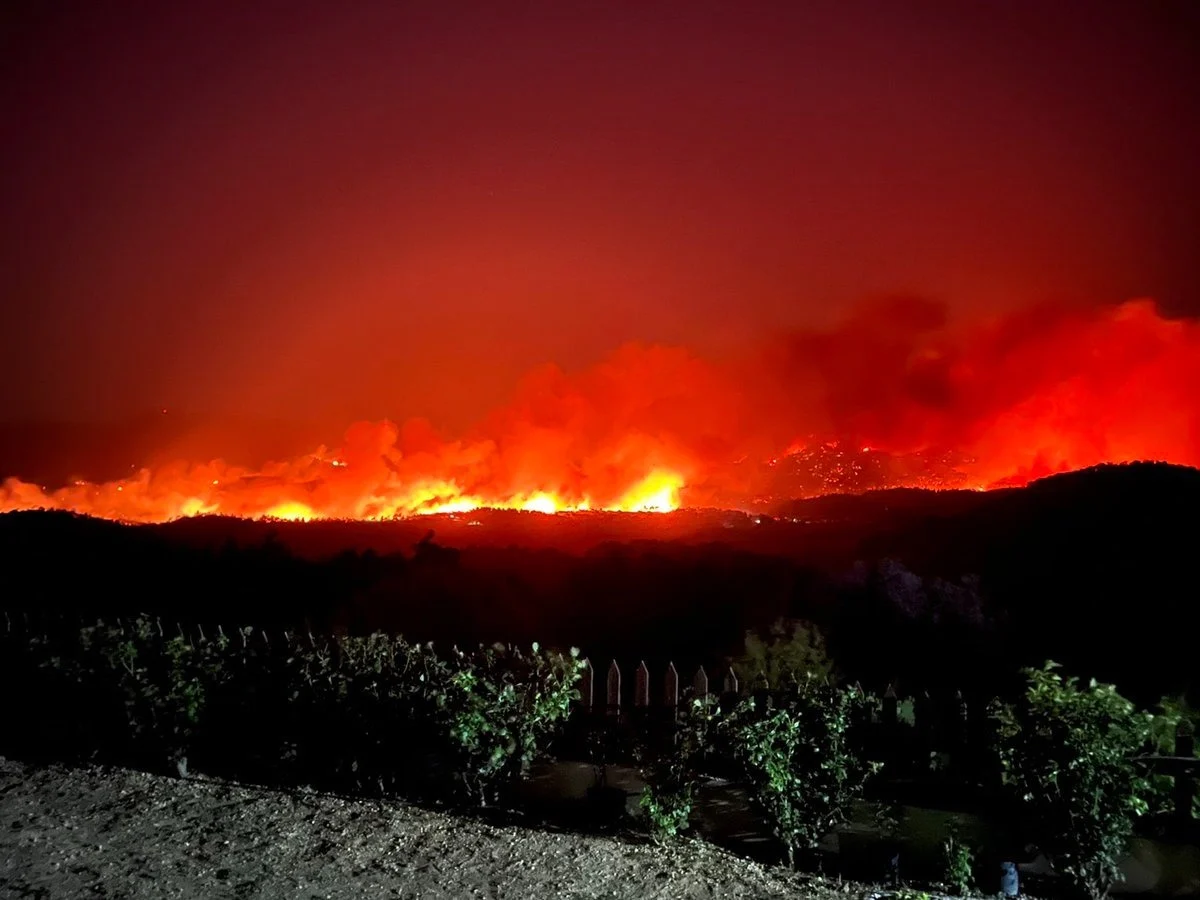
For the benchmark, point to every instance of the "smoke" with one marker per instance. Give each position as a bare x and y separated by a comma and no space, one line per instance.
998,401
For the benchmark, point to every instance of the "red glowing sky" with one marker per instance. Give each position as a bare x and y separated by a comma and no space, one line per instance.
330,212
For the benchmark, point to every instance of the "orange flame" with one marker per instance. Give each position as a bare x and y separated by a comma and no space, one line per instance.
894,396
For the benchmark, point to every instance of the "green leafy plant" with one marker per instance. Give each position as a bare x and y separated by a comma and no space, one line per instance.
499,706
959,861
790,652
802,770
1069,752
672,775
1176,717
166,683
888,818
373,713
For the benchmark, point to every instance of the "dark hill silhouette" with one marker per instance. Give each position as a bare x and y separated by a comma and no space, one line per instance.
1093,568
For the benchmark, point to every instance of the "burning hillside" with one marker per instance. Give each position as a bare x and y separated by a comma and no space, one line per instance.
896,395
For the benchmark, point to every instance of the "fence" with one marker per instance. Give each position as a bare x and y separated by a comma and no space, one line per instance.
946,733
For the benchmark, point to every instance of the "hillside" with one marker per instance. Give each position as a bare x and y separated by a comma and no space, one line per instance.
1093,568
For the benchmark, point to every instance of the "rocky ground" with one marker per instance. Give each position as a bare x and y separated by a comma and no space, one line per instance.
98,832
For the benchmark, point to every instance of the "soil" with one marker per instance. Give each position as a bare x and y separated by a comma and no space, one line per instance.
97,832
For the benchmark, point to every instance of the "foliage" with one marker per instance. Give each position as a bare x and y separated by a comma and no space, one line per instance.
887,818
790,652
498,706
360,713
1069,754
165,683
802,770
1177,717
672,775
959,861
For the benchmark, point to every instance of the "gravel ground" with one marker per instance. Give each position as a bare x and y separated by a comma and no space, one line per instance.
99,832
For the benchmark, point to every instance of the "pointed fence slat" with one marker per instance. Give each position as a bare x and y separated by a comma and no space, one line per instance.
700,683
1184,790
730,684
671,686
641,685
587,685
891,705
612,696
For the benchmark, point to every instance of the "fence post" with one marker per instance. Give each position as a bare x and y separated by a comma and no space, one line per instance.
1185,781
613,694
700,684
729,688
671,687
891,707
641,685
587,680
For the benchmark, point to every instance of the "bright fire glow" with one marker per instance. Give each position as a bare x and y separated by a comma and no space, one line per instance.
893,397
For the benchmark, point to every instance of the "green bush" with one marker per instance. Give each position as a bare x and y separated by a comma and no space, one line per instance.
164,684
796,756
1069,755
789,653
369,713
498,708
959,861
671,774
1176,714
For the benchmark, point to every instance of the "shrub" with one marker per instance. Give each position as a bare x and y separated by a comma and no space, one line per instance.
797,759
1177,717
163,683
362,713
672,775
498,708
959,861
791,652
1069,754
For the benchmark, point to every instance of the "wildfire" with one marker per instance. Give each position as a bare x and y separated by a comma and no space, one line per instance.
894,396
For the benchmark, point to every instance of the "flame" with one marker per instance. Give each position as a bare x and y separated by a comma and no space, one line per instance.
895,395
291,511
657,492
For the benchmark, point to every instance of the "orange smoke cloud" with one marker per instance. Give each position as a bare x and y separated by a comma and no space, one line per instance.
897,395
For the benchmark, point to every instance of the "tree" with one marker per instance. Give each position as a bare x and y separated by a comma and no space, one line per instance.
1069,755
791,652
798,760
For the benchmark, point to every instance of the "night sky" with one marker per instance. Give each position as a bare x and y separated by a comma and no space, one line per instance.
331,211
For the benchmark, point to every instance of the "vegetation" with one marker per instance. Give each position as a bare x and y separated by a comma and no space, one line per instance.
796,755
499,707
360,712
959,861
672,775
380,714
790,653
1069,752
